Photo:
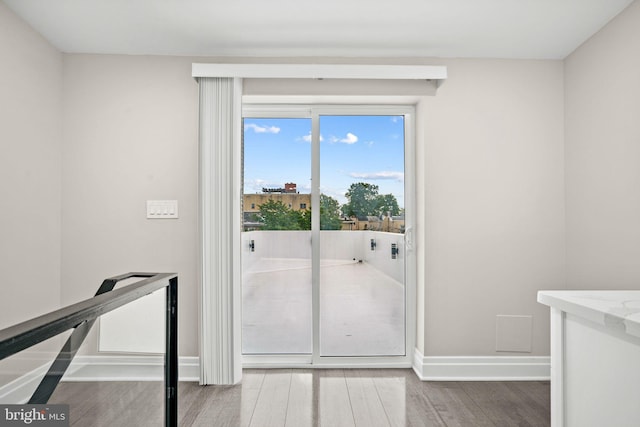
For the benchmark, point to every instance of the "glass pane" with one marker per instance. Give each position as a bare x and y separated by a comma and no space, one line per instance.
362,294
276,238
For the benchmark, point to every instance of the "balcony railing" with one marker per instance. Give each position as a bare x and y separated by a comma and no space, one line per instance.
335,245
81,316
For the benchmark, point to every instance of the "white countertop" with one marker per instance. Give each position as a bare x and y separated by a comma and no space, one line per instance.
619,310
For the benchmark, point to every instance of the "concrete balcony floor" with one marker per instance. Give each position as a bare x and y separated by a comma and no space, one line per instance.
362,310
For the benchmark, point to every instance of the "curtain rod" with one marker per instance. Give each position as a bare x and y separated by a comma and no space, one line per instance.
322,71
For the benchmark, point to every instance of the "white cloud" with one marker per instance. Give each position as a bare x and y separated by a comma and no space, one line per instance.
304,189
397,176
255,185
307,138
349,139
262,129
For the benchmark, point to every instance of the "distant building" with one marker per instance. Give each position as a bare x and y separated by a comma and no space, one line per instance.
288,195
390,224
289,187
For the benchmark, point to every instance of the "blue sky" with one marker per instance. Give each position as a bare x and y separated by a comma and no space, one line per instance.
352,149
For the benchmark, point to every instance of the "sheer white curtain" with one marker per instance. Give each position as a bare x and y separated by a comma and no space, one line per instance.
220,297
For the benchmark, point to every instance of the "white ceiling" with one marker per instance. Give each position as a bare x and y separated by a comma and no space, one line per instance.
549,29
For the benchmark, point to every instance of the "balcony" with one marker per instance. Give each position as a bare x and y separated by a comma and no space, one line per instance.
362,298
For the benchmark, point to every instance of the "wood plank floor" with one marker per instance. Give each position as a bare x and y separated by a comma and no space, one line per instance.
321,397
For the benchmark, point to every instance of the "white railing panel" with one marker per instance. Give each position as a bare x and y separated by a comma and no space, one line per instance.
335,245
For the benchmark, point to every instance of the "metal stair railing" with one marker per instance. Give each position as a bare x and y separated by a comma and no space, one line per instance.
81,316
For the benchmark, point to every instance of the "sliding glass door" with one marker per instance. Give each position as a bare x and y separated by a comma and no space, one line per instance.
362,223
276,237
325,223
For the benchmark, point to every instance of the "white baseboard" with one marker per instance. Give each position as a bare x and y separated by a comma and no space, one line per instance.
101,368
19,391
482,368
129,368
151,368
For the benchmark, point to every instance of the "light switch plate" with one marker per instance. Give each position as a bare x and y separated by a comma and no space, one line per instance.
162,209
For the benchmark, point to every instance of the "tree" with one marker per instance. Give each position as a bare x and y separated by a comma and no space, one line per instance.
277,216
329,213
362,200
303,218
387,203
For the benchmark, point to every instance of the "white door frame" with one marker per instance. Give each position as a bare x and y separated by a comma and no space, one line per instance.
218,352
379,106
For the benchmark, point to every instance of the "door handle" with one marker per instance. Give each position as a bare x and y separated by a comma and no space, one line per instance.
408,238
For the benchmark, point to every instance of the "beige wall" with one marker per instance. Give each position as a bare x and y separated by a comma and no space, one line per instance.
602,81
30,141
490,169
493,212
492,202
130,135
